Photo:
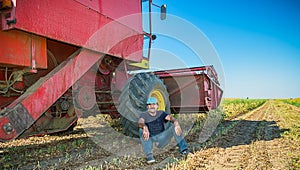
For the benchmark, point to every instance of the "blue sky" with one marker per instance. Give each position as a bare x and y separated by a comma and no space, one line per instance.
257,42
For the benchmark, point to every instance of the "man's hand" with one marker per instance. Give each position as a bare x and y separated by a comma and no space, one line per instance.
176,124
177,128
146,133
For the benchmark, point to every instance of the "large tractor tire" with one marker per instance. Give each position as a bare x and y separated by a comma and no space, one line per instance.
134,97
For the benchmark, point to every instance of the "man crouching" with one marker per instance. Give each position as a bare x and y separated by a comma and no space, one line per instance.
152,129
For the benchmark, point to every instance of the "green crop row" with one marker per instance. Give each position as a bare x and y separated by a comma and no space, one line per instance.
295,101
235,107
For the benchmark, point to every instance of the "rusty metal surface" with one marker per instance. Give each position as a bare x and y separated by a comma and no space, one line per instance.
19,118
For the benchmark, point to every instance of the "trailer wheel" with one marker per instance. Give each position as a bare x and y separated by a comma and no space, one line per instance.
134,97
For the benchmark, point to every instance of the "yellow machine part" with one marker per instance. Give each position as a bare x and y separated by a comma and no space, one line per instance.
144,64
6,4
160,99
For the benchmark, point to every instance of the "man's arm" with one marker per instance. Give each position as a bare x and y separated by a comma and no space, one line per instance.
176,124
172,119
142,125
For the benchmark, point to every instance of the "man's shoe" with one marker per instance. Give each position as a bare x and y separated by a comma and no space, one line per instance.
185,152
150,159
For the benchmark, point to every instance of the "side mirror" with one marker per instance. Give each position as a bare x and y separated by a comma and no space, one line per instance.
163,12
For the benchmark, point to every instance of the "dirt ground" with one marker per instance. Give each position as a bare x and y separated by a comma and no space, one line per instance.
265,138
256,141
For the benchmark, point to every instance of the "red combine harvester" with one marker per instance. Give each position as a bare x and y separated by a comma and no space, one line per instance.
60,60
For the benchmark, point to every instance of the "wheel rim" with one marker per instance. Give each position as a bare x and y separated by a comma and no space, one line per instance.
86,98
160,99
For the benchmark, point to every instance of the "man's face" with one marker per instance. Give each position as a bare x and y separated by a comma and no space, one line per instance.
152,107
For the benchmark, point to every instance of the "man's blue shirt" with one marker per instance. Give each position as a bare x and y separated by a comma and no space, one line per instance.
155,123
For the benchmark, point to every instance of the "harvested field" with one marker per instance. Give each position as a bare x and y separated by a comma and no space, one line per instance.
267,137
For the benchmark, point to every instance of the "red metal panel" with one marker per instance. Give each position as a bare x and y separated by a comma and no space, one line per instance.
192,89
202,83
75,23
116,9
22,49
184,91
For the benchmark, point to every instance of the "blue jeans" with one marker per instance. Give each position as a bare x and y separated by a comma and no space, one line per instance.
163,139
